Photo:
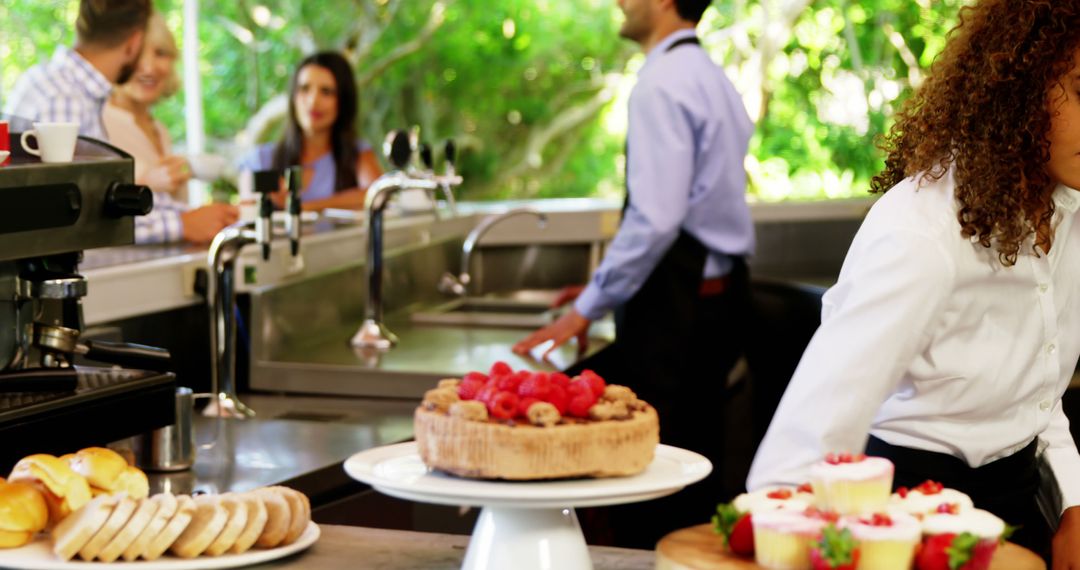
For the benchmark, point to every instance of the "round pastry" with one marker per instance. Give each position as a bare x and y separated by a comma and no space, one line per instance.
852,484
64,490
23,513
108,472
527,425
970,538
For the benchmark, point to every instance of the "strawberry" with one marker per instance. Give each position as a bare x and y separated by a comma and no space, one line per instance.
902,491
782,494
805,488
950,552
834,550
501,368
736,528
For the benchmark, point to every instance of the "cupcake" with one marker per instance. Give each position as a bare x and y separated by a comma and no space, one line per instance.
965,540
852,484
928,498
887,541
771,498
783,537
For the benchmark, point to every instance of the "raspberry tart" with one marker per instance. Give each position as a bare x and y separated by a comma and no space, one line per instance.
852,484
522,425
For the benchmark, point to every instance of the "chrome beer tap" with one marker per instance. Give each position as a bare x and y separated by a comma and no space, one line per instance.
224,251
373,333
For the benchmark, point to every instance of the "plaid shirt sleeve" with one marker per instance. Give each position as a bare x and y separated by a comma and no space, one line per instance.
163,224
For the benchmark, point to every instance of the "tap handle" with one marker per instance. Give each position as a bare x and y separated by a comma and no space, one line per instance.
450,152
292,224
266,183
397,149
425,156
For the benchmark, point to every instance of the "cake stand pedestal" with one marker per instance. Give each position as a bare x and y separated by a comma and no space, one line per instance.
523,525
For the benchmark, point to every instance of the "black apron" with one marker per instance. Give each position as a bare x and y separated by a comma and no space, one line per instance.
674,346
1005,487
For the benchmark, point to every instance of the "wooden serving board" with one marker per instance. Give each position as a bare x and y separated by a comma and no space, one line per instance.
699,548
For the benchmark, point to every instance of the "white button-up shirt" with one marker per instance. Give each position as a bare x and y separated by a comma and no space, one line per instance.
928,342
66,89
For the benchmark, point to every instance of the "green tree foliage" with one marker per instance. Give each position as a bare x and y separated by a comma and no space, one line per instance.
534,90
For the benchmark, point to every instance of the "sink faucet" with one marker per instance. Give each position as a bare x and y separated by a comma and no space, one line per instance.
373,332
457,285
224,251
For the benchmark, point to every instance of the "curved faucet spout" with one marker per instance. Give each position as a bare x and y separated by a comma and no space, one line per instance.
459,285
222,293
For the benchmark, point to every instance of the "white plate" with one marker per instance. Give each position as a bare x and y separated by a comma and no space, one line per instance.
398,470
38,556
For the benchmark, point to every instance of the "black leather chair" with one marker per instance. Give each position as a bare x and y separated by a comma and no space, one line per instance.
785,316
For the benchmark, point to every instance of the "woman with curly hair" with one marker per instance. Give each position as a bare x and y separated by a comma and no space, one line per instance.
954,327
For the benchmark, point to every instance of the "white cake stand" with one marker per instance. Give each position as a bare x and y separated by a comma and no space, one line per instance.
523,525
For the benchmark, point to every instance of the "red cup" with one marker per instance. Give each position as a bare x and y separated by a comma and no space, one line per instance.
5,141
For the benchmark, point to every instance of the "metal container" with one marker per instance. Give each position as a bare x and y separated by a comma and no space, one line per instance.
171,448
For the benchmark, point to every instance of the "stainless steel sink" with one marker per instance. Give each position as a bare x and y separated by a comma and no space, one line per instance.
525,308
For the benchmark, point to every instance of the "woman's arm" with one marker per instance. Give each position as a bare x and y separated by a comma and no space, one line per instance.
877,318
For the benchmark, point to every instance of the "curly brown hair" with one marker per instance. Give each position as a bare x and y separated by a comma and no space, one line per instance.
984,113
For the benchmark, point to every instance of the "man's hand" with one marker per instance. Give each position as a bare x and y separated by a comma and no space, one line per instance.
1067,541
168,175
568,326
567,295
202,224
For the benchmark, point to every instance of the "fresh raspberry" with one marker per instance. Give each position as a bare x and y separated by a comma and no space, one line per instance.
558,397
578,387
500,368
878,519
902,491
596,383
537,385
949,508
470,387
510,382
782,494
523,406
560,379
929,487
504,405
580,404
475,376
487,394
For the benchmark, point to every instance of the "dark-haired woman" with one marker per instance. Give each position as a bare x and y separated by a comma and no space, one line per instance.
954,328
320,135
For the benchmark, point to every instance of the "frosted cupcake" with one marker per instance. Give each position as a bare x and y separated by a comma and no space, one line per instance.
772,498
971,537
928,498
782,537
887,540
852,484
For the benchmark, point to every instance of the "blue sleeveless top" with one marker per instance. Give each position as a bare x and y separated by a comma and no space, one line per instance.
322,179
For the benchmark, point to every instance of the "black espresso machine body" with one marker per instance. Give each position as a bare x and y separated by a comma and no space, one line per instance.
49,214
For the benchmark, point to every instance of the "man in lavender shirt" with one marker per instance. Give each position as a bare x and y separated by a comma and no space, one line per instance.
674,274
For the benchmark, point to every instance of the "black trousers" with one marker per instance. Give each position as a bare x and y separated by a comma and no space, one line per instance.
674,347
1006,487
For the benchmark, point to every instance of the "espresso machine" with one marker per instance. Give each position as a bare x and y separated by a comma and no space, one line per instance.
49,214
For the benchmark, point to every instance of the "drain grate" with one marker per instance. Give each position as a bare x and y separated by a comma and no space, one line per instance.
311,416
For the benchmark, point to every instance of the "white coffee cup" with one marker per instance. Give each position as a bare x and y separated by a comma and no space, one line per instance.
206,167
55,141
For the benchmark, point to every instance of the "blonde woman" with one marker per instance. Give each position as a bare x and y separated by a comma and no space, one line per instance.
131,127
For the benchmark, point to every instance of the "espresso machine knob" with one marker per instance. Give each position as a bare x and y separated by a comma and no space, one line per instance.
128,200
